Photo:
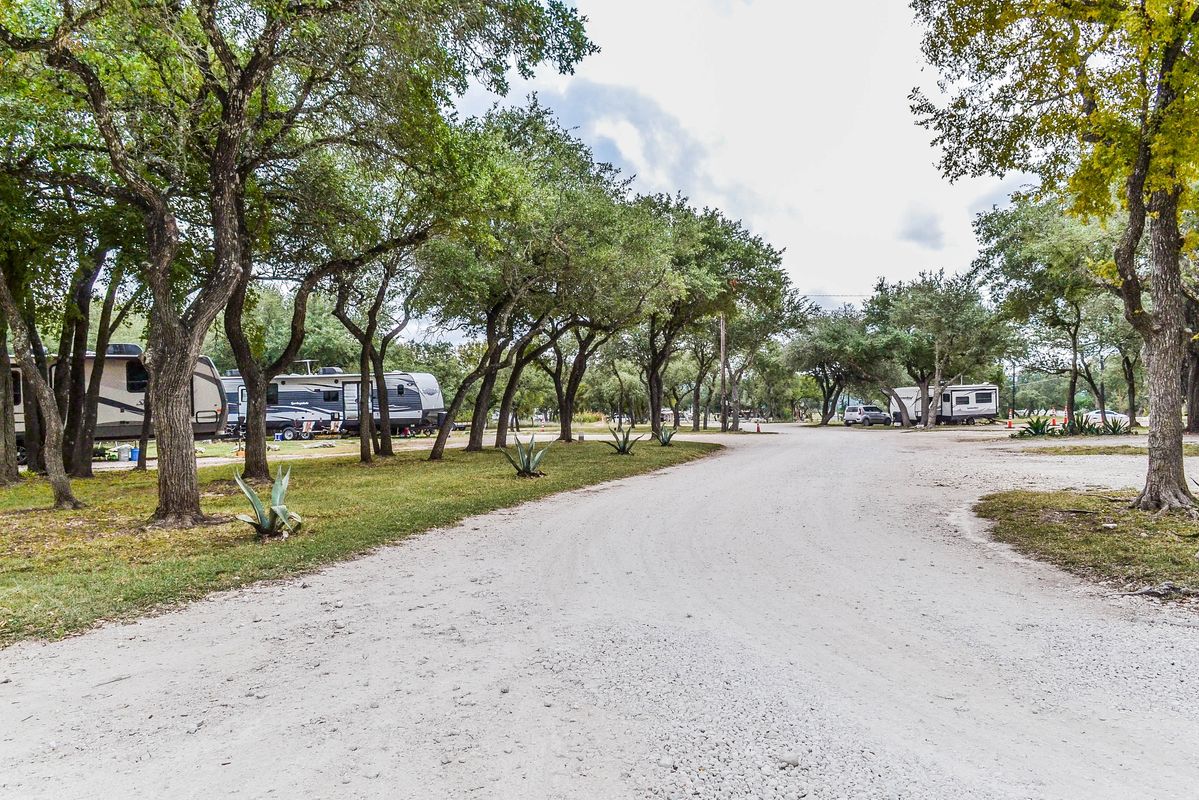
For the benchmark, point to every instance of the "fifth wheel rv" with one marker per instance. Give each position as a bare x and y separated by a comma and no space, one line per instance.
122,402
960,404
303,403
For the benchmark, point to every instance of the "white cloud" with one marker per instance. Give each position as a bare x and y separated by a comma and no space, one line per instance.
791,115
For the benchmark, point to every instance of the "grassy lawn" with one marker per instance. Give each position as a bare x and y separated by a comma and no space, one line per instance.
1103,450
62,572
1098,536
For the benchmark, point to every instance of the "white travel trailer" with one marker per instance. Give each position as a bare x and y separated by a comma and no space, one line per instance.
122,400
330,395
961,404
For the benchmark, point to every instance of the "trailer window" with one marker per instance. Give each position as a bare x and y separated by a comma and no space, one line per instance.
272,394
962,400
984,397
16,388
945,397
136,377
330,396
400,390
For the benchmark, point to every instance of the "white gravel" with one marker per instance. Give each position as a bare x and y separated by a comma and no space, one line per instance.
812,614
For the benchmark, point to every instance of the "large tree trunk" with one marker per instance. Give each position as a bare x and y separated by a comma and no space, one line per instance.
254,464
1165,482
170,397
56,472
9,470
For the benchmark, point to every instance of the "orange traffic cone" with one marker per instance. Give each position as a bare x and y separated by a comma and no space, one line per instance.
1010,413
759,427
1053,420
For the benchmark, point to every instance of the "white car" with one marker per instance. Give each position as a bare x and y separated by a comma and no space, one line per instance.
865,415
1095,418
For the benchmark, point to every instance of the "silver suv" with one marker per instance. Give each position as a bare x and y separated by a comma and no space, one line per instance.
865,415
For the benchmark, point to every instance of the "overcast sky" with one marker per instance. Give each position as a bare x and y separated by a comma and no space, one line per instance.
789,114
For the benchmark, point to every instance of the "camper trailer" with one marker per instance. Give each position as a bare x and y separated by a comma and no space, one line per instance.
302,403
960,404
122,400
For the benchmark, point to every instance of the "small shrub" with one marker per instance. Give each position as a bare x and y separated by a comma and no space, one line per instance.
527,458
584,417
278,521
1084,427
622,442
665,435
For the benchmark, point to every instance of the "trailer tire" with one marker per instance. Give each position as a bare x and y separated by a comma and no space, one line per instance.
969,420
306,435
289,434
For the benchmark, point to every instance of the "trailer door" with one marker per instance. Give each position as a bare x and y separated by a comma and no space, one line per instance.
349,401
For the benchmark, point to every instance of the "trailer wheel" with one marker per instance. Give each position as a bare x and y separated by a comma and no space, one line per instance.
306,435
289,434
969,420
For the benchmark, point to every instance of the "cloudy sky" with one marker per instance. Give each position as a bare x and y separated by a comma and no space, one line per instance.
790,114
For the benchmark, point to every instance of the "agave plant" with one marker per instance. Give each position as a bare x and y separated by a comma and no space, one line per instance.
622,442
276,521
1115,427
1037,426
527,458
1085,427
665,435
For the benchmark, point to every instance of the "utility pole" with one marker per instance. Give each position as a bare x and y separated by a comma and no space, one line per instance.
1013,387
724,363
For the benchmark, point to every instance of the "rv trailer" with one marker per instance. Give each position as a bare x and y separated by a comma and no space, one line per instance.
122,402
959,404
330,395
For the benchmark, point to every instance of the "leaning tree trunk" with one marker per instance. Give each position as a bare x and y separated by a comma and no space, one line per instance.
506,403
56,472
10,472
451,413
478,420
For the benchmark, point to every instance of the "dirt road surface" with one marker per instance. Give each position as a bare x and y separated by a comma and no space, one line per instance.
809,614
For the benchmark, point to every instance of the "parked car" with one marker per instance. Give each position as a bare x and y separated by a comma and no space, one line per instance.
1095,418
865,415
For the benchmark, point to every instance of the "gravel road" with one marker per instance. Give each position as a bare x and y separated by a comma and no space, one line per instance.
809,614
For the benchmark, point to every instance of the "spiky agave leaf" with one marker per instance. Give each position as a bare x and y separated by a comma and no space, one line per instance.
255,501
279,490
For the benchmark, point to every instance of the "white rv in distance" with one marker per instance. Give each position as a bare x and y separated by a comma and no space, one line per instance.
329,394
959,404
122,402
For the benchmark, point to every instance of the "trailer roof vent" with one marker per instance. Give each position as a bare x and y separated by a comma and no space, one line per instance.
124,350
330,371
